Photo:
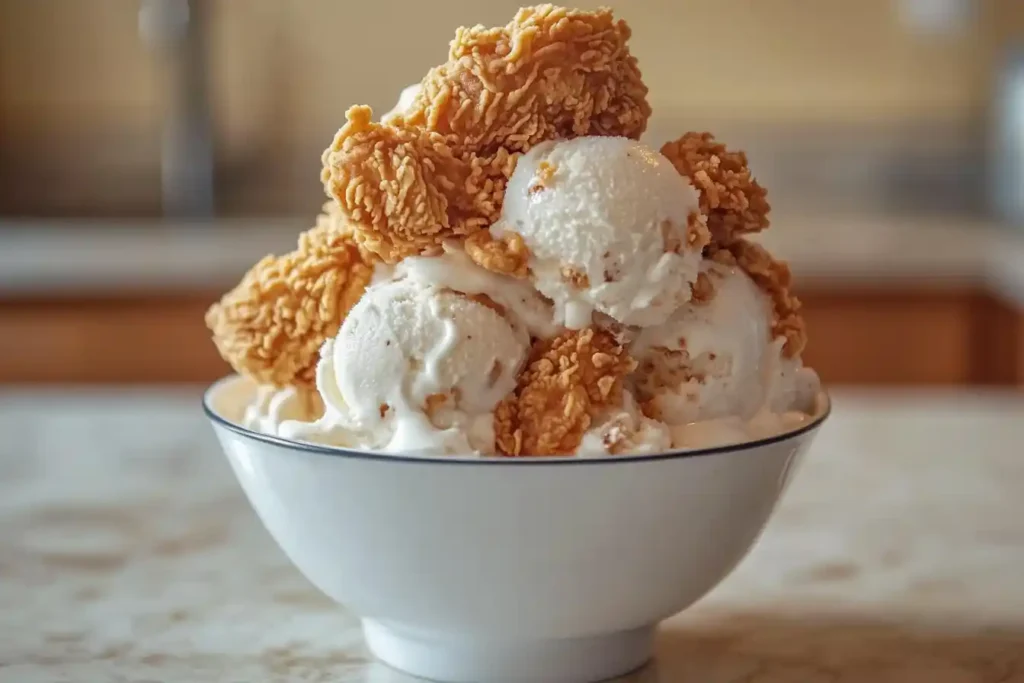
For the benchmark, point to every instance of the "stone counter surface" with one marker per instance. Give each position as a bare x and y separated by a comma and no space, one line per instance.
128,553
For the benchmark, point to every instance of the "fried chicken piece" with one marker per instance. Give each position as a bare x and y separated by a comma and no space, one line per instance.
568,380
775,280
508,255
407,190
731,199
272,324
550,73
439,169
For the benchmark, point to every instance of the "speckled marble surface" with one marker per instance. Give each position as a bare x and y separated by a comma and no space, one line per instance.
128,553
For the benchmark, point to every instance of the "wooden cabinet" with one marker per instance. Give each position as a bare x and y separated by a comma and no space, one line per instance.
903,336
108,339
877,336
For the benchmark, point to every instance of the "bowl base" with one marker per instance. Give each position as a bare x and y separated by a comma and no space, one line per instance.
467,659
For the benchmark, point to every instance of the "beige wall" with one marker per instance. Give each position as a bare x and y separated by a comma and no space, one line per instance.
62,62
283,72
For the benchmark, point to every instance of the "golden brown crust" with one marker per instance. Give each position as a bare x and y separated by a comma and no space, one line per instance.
774,279
272,324
731,199
698,235
404,190
550,73
568,380
508,255
439,170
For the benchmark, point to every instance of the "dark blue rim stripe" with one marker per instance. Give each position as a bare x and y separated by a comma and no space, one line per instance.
490,461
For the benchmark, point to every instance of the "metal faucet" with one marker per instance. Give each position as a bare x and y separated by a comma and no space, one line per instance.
174,29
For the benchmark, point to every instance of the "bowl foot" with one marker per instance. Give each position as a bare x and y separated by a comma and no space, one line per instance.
469,659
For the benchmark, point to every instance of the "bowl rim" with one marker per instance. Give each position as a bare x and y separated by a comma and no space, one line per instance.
553,460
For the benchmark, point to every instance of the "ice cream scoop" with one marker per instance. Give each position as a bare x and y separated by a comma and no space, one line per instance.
610,226
418,368
793,387
710,359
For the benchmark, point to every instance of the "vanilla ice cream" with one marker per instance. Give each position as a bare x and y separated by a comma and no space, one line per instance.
710,359
610,226
793,387
625,430
418,368
273,406
713,373
453,269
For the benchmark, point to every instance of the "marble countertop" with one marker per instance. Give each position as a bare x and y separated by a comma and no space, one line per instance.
46,257
128,553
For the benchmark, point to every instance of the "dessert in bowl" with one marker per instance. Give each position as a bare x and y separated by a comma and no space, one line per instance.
529,386
502,569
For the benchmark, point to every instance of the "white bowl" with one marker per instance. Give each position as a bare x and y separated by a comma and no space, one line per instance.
546,569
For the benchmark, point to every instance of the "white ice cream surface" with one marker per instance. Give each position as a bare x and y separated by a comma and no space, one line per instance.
335,427
709,360
455,270
793,387
404,343
713,372
405,100
606,222
273,406
625,431
419,368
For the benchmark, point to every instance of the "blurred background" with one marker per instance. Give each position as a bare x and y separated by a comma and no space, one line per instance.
151,150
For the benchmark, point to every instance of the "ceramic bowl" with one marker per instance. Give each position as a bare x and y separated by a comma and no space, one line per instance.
547,569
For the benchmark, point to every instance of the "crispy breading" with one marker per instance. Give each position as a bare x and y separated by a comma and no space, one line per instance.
551,73
508,255
568,380
406,190
272,324
439,169
730,198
